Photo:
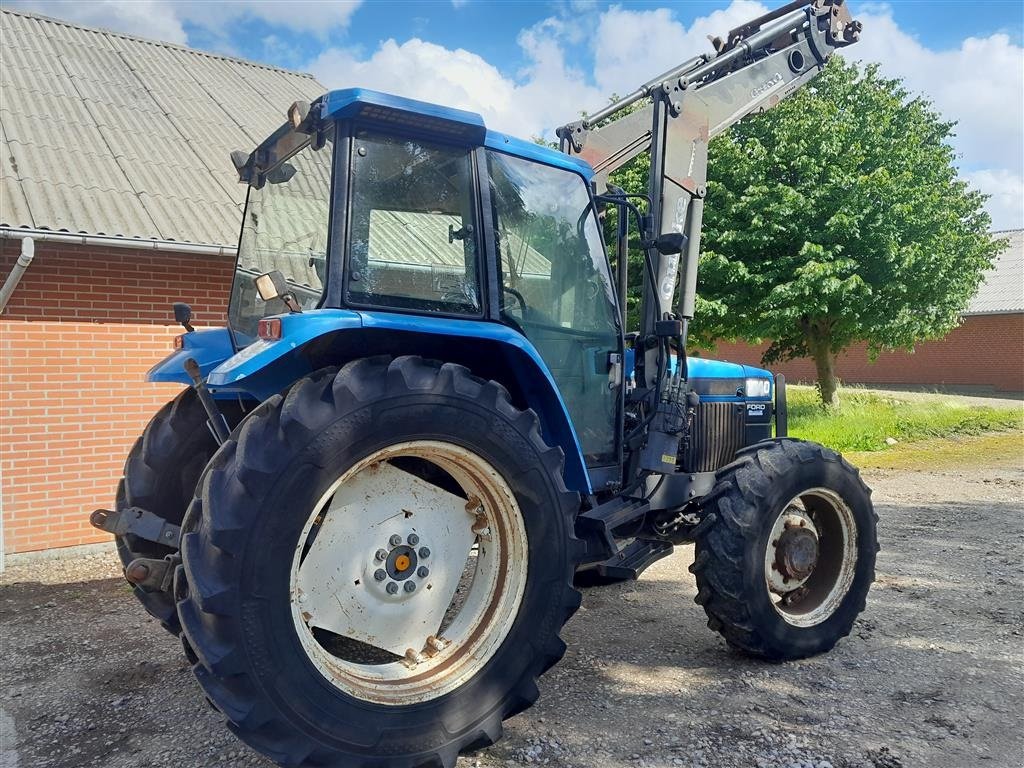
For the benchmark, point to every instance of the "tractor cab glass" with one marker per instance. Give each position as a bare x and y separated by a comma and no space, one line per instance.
284,228
556,289
412,223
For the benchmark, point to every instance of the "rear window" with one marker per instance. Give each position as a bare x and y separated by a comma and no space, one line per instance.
413,230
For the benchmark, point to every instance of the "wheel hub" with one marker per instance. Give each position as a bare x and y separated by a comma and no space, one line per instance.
797,553
396,563
792,553
401,562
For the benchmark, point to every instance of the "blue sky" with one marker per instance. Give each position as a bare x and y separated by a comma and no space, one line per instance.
528,66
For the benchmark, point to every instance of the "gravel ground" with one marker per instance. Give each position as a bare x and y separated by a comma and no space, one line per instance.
931,676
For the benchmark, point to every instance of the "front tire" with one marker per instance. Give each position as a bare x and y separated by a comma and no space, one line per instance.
786,553
329,496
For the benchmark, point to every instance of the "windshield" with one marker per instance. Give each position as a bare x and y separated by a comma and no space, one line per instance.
284,228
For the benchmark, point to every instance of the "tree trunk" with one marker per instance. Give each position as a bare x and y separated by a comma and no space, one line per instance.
824,362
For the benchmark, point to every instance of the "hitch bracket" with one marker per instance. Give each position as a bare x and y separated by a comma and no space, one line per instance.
138,522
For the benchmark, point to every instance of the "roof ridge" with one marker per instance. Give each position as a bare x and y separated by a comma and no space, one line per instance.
151,41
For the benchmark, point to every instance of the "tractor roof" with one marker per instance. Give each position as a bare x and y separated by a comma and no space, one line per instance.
445,122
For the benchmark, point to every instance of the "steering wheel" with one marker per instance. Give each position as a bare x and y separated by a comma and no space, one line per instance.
518,296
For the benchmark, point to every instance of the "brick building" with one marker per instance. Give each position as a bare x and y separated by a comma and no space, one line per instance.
114,159
985,353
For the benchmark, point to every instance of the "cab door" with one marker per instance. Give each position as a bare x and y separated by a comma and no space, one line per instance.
555,288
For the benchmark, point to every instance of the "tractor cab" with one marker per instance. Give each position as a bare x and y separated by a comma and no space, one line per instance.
378,204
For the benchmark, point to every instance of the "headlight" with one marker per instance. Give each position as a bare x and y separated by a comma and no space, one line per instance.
758,387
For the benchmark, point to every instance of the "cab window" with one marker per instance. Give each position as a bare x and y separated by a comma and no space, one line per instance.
413,229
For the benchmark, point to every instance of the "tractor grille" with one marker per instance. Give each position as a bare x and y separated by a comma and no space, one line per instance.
718,433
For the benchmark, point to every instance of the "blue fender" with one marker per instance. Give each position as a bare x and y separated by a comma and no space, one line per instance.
321,337
251,370
209,348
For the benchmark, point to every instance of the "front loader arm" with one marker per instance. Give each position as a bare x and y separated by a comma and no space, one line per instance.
758,65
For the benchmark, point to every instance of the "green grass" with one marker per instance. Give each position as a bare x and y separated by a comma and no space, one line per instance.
863,420
993,450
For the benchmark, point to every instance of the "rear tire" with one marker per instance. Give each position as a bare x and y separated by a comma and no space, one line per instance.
771,488
249,528
160,475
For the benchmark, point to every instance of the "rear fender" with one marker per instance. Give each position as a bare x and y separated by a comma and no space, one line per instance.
313,340
209,348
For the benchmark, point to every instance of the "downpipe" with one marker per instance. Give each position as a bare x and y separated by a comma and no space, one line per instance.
28,252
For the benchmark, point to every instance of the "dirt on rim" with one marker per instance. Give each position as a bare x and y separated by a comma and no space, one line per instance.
933,674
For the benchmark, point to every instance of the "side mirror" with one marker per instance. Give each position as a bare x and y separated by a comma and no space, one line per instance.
670,242
183,315
271,285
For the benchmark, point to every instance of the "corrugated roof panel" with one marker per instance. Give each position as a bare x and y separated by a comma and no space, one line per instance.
74,209
205,222
60,165
27,76
193,183
14,210
71,33
68,109
141,147
1003,288
59,135
130,121
123,136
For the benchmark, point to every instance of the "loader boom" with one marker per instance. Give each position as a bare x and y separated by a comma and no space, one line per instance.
756,66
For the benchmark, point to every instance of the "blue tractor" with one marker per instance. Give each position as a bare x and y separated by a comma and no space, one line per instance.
425,421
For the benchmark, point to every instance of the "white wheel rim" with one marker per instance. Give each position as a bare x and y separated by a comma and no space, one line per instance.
807,599
336,590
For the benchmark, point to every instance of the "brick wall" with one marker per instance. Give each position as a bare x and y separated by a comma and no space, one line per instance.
76,339
986,352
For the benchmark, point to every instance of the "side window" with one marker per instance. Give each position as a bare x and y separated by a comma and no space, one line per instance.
553,266
413,226
557,291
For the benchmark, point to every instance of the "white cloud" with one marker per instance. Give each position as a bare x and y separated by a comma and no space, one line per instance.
459,3
979,84
166,19
1006,204
628,48
633,47
546,94
419,70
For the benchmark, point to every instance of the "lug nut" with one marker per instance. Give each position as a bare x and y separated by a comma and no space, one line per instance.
395,540
392,588
413,539
410,586
423,572
424,552
380,574
382,554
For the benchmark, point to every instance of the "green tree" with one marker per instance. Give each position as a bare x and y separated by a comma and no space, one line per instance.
838,217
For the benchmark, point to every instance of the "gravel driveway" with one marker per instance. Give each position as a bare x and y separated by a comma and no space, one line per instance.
932,675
